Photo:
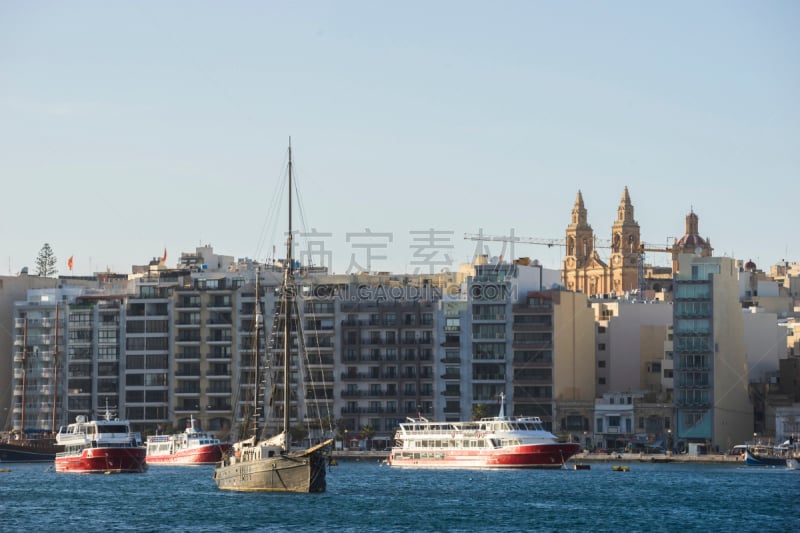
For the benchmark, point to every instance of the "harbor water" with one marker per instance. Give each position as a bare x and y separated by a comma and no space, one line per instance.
369,496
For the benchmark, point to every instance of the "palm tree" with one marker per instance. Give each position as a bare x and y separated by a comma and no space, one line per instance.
368,432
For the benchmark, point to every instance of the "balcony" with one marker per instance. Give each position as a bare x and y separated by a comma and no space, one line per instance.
320,360
355,375
489,317
489,377
184,303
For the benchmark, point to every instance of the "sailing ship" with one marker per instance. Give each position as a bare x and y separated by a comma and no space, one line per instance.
32,446
29,448
270,464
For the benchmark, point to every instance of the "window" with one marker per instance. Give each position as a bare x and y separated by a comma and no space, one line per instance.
106,353
601,347
134,380
452,324
601,364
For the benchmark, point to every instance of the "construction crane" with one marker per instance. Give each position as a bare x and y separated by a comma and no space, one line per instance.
643,247
598,243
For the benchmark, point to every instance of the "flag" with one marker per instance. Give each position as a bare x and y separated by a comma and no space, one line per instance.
164,257
70,263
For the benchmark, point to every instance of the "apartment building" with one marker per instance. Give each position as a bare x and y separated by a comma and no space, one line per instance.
387,365
711,396
14,289
553,359
39,344
93,364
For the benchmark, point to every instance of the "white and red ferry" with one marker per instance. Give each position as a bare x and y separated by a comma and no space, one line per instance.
192,447
496,442
100,447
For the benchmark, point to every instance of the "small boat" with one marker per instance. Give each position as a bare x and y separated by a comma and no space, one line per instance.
192,447
106,446
260,463
793,463
753,458
494,442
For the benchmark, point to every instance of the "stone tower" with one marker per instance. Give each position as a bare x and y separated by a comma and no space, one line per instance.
691,242
583,269
625,241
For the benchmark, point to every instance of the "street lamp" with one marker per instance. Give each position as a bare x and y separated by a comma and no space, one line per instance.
669,439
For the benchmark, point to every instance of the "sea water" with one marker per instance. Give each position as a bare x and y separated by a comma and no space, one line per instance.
369,496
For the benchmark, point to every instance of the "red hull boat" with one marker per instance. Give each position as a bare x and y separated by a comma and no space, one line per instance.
496,442
100,447
192,447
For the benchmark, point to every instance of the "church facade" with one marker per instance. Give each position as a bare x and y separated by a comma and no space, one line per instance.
584,270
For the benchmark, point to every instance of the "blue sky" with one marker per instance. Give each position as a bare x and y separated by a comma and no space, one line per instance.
127,127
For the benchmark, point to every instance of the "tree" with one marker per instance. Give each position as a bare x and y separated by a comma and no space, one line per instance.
298,433
367,431
479,410
46,262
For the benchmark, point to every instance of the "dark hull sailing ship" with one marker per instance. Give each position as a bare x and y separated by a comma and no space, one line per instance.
29,450
258,464
266,467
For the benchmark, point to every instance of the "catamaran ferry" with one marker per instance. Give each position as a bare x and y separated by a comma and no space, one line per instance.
496,442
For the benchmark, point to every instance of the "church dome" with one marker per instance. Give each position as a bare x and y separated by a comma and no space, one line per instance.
692,241
750,265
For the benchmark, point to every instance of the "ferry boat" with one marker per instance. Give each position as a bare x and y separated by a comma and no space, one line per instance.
495,442
192,447
100,447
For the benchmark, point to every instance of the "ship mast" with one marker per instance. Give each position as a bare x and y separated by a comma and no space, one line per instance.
24,372
287,313
257,357
55,376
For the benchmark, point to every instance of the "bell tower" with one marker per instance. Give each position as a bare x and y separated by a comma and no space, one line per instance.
625,241
580,244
